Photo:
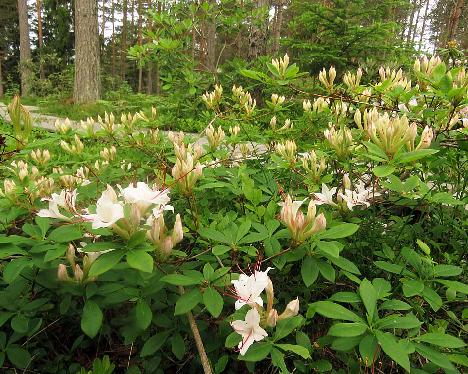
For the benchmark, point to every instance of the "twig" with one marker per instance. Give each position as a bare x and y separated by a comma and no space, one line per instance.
198,340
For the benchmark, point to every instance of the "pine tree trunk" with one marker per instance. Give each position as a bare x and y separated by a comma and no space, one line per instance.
210,31
87,65
25,48
258,32
410,23
39,38
113,40
123,50
103,24
454,20
140,41
416,22
278,27
1,74
423,29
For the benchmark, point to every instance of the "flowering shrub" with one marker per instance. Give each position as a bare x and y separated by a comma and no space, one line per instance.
311,229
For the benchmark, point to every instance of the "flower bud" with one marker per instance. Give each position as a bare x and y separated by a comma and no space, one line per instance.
62,273
272,318
306,105
292,309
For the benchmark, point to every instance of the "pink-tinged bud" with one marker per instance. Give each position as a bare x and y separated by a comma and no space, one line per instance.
166,246
272,318
78,273
426,138
270,295
177,231
292,309
319,224
62,273
71,255
135,215
346,182
311,211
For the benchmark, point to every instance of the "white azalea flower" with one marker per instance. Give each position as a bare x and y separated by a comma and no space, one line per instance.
360,196
144,196
326,196
65,199
249,288
108,211
249,329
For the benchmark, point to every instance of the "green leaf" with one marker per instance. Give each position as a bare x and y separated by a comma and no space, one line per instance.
434,356
232,340
414,155
140,260
213,301
348,330
345,264
327,271
441,340
330,248
433,298
297,349
368,349
395,305
178,346
220,249
57,252
309,271
208,271
91,319
399,322
412,287
154,343
179,280
20,324
18,356
383,170
13,269
339,231
369,297
143,315
447,270
286,326
332,310
277,359
187,301
212,234
393,349
65,234
105,262
244,228
257,352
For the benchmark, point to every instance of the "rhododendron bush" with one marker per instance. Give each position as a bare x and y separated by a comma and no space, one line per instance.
309,228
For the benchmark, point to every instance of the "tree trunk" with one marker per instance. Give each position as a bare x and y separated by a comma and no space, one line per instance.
278,26
39,38
410,23
113,40
140,41
1,74
454,20
258,32
416,22
123,49
103,24
423,29
210,32
87,65
25,48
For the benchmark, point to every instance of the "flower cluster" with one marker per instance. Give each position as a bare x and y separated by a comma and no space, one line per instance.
215,136
248,290
187,170
328,79
122,213
301,227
